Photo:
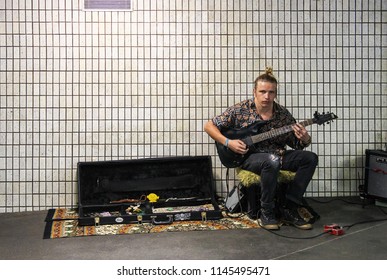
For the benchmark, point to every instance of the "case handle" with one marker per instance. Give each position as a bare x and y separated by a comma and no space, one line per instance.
162,222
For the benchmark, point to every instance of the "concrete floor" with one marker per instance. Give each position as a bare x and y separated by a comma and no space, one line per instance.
21,239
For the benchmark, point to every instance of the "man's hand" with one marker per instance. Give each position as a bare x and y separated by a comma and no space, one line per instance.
237,146
301,133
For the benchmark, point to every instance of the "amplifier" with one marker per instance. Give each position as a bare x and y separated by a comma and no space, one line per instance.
376,174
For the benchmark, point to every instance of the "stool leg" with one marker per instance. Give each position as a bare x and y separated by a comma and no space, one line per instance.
281,198
252,201
281,194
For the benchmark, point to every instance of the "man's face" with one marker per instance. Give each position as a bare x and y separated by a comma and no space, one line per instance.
265,93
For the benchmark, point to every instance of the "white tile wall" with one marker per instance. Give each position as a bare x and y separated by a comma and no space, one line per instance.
77,86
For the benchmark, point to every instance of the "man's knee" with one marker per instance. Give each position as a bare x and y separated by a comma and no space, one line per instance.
311,158
272,163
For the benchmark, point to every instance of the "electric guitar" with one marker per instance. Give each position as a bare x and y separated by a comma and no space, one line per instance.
250,135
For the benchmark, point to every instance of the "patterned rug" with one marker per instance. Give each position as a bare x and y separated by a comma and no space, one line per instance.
62,223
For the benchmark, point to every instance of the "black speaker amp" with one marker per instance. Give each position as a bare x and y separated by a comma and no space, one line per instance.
376,174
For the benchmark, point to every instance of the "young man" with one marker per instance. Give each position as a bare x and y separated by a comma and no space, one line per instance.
270,155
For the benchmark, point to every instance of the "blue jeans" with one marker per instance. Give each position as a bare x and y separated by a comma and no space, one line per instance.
267,165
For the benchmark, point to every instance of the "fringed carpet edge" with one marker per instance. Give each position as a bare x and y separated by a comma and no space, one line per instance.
63,223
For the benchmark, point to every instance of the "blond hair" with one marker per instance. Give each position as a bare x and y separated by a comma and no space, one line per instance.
267,76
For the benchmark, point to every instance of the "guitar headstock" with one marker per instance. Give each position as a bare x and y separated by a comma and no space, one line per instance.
323,118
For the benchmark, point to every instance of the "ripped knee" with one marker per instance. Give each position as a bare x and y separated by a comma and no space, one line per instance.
274,162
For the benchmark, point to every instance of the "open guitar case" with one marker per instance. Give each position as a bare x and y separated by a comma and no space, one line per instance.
154,190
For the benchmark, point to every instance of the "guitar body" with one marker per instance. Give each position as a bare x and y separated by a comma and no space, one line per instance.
230,159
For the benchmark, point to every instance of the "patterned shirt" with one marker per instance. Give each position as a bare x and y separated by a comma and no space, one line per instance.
244,114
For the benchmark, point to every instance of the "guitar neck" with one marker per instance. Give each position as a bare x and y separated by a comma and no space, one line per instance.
277,132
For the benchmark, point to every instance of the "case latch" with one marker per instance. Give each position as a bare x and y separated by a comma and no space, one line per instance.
96,221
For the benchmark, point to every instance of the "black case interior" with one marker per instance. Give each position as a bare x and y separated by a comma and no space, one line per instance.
115,186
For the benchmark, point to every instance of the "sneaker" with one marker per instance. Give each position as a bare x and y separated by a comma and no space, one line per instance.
292,217
267,219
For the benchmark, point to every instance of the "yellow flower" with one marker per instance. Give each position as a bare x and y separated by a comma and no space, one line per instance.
153,197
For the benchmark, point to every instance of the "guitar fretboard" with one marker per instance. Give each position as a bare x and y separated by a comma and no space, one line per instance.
277,132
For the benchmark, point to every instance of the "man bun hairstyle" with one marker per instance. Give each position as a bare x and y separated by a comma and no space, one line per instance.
267,76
